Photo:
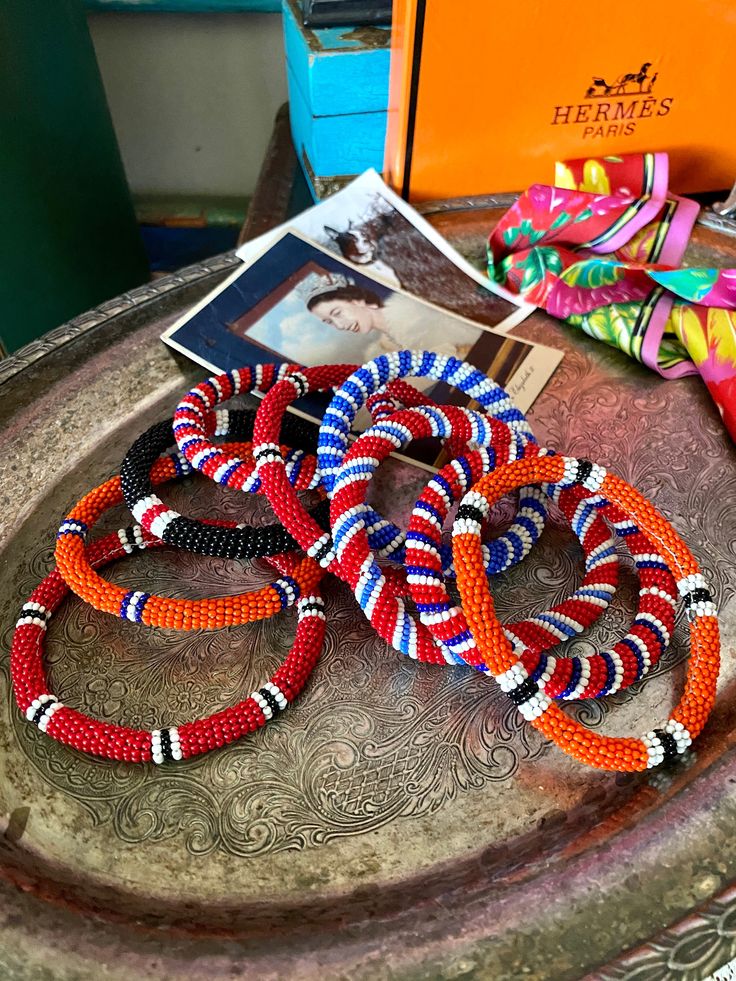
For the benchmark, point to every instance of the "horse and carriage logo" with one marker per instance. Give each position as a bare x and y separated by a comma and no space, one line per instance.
631,83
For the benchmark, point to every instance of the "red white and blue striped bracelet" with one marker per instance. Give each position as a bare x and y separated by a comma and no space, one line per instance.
589,676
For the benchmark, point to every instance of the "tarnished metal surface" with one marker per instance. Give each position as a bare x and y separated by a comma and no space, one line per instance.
398,821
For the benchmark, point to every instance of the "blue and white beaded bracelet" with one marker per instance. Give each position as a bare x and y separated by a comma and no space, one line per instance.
369,379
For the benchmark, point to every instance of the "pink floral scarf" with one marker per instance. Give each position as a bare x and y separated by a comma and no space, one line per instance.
601,249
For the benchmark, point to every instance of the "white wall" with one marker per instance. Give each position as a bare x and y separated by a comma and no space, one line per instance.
193,97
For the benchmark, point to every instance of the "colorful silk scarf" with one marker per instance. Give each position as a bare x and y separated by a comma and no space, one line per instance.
600,250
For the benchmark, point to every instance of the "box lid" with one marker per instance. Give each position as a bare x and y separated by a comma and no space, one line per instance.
340,70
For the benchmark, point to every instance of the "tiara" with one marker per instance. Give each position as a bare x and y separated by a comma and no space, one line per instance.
315,284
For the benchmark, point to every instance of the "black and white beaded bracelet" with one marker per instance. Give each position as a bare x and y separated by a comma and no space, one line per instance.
240,542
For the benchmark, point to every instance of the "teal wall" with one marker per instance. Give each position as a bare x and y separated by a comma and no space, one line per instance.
68,239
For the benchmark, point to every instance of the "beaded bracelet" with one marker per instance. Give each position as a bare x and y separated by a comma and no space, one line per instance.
388,368
388,613
385,538
687,719
240,542
590,676
271,468
158,611
193,439
192,428
175,742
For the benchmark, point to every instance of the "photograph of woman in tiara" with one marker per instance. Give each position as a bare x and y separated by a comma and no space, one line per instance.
300,304
391,322
329,316
321,314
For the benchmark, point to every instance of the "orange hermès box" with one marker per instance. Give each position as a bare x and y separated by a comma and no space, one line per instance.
485,96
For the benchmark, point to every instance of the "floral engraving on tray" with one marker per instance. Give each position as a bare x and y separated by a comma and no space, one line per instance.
693,950
373,738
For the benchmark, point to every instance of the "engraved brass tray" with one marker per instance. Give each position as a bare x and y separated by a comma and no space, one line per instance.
398,821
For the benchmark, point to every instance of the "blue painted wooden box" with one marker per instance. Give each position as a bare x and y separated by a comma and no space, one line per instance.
338,98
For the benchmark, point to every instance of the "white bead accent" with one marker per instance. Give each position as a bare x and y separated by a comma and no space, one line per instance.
534,707
658,591
124,541
37,703
679,733
262,704
694,581
655,750
161,522
130,608
513,677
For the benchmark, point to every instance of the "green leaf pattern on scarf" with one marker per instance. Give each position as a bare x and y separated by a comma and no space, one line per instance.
536,264
613,324
592,273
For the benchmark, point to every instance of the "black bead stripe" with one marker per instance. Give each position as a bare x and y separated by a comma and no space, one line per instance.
471,512
300,383
40,712
271,699
195,536
312,606
323,550
265,453
669,745
166,745
523,692
585,468
26,611
130,538
699,595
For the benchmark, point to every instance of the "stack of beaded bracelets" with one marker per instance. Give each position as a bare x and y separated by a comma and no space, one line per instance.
160,525
527,690
490,452
348,551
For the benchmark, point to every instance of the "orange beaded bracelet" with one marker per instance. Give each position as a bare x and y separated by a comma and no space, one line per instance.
605,752
159,611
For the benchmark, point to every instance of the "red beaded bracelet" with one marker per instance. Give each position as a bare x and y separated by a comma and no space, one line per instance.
589,676
174,742
271,466
272,470
141,607
193,434
358,567
609,753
